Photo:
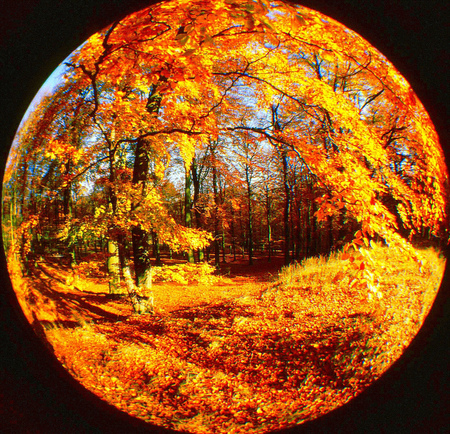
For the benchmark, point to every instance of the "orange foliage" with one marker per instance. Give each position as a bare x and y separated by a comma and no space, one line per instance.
188,80
178,85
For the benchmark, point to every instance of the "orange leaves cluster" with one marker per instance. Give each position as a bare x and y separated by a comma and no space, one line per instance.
181,73
361,269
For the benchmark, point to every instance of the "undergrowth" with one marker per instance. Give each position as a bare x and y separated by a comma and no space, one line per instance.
202,273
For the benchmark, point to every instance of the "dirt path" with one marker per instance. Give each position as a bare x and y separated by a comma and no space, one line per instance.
55,297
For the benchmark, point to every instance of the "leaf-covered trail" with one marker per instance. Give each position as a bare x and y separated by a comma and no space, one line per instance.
61,297
241,356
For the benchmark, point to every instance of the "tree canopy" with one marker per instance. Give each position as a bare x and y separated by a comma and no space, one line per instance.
184,123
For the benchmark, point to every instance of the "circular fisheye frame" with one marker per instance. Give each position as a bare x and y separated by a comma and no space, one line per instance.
226,216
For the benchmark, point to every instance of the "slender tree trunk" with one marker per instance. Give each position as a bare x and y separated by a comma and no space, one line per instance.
243,237
224,259
308,220
113,262
233,233
250,215
287,209
68,215
188,209
216,219
330,233
269,223
197,214
306,246
299,231
157,250
292,231
314,239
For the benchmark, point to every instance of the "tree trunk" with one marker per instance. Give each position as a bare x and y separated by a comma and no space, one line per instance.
269,224
223,246
68,215
141,304
250,215
216,219
113,265
287,209
141,255
330,233
233,233
298,252
197,214
140,237
312,227
157,250
287,191
113,262
188,210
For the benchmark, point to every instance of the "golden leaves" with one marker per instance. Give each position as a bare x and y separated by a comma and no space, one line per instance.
221,65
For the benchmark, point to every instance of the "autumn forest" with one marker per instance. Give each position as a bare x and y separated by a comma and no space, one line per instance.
204,172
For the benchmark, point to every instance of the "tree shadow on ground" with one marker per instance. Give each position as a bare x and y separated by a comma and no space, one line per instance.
207,336
48,293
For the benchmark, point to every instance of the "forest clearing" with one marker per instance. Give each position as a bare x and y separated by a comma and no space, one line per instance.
226,215
254,351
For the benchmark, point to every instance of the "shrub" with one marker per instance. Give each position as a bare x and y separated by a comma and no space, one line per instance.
185,273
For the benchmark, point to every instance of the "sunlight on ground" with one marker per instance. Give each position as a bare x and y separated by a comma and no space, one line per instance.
242,356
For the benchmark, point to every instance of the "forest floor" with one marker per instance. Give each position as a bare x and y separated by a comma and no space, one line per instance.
259,349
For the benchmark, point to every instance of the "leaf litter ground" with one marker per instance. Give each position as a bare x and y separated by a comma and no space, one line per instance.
256,351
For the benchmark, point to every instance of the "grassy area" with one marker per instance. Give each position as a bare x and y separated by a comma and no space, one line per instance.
242,355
